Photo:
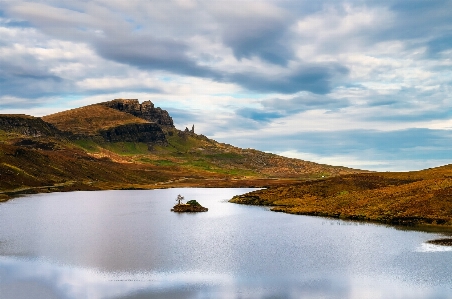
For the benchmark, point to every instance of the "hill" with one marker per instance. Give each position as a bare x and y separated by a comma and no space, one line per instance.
125,144
176,148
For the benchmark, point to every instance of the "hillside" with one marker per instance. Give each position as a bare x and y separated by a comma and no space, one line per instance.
177,148
125,144
410,198
91,119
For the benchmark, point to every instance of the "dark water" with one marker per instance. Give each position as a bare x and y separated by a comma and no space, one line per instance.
127,244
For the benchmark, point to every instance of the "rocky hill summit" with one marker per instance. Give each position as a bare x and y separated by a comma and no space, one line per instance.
112,125
145,110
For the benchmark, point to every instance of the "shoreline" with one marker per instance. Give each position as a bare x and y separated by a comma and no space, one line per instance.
70,186
379,198
419,226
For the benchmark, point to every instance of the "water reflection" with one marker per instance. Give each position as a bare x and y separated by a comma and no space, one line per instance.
21,278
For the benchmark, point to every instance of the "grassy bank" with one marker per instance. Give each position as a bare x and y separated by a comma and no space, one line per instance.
412,198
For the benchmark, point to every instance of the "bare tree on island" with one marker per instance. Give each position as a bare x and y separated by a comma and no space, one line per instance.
189,206
179,199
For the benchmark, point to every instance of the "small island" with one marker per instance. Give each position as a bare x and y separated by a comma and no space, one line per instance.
190,206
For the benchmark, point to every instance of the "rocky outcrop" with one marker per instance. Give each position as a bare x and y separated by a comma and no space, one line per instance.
28,126
146,132
145,110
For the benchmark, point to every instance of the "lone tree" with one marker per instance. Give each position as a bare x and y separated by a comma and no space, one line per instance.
179,199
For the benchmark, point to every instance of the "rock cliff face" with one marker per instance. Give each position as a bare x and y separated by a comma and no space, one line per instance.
148,133
27,125
146,111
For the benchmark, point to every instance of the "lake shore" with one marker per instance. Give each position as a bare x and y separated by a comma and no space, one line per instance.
389,198
71,186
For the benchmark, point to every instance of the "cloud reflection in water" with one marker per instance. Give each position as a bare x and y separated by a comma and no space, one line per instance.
24,278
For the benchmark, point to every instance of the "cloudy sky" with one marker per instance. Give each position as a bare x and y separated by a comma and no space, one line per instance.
364,84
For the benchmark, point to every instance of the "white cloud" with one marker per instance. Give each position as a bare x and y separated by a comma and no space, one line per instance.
340,29
366,161
372,66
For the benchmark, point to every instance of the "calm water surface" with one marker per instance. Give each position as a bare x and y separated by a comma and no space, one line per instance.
127,244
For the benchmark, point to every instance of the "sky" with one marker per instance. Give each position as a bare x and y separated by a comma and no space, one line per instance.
364,84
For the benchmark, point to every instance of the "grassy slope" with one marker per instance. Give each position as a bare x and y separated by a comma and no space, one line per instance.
422,197
22,167
90,119
193,153
199,152
45,165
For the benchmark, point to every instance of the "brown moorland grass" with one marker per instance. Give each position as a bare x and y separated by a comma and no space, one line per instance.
90,119
411,198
